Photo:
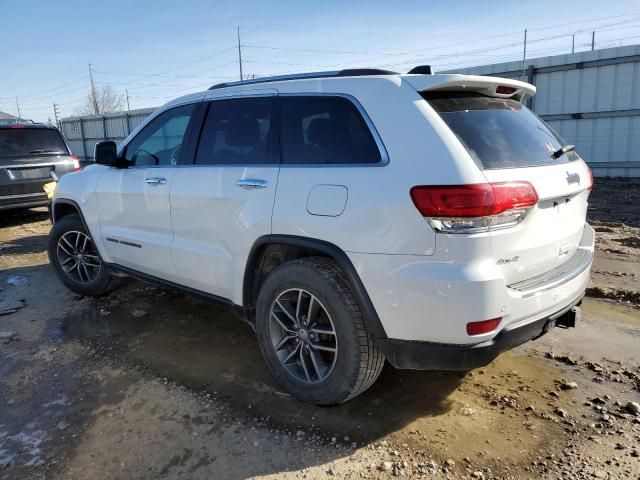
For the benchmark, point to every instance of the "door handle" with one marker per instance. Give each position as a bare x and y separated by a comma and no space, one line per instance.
251,183
156,180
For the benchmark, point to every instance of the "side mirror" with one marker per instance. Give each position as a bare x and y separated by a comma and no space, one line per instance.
106,153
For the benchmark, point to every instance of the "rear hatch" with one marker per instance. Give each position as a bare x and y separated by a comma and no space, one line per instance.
29,156
509,143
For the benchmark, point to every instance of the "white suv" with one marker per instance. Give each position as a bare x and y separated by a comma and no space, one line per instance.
350,217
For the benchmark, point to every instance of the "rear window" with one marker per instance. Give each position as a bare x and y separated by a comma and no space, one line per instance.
19,142
499,133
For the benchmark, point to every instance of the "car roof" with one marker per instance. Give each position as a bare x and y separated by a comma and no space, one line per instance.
27,125
332,80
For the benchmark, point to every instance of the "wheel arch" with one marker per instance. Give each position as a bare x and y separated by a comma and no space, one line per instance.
269,251
62,207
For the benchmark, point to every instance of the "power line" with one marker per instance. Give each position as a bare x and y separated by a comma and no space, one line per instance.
51,89
152,75
585,21
233,62
475,51
629,21
453,35
313,50
473,40
202,59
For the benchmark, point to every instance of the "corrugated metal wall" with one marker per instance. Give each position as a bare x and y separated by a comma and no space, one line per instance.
591,98
84,132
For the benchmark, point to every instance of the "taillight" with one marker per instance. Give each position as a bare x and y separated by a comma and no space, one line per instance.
485,326
590,178
76,163
474,208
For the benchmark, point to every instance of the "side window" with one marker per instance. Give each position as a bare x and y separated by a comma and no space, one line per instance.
324,129
160,142
237,131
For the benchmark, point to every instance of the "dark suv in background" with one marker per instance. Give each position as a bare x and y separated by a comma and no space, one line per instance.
29,154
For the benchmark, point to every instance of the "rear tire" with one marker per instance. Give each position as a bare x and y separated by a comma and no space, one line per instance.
313,335
75,259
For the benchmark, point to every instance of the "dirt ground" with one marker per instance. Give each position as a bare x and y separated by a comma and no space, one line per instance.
150,383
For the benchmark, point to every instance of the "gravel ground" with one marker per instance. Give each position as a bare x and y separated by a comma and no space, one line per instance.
151,383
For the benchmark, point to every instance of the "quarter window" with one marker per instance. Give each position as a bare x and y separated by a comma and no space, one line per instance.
325,129
237,131
160,142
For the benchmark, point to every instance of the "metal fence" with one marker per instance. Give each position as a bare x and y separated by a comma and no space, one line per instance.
591,98
84,132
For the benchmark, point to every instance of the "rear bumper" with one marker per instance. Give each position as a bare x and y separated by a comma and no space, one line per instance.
430,299
406,354
24,200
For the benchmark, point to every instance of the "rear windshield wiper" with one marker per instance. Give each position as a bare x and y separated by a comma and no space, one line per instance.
45,151
562,150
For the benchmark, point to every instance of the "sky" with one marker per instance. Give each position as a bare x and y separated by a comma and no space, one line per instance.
158,50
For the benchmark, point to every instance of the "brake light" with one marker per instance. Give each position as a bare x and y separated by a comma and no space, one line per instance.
591,181
485,326
476,207
504,90
76,163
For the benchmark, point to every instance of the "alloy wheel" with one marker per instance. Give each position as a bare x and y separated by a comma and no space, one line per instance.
78,257
303,335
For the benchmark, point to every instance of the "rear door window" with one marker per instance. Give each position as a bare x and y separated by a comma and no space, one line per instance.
325,129
499,133
238,132
28,142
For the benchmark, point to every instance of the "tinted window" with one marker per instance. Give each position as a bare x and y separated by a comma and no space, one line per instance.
325,129
236,131
160,142
499,133
19,142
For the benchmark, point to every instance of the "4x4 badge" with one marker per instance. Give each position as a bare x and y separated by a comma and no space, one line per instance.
573,178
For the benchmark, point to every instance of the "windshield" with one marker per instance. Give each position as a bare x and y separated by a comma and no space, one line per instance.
24,142
497,132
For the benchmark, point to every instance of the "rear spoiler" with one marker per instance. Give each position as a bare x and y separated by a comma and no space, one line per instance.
490,86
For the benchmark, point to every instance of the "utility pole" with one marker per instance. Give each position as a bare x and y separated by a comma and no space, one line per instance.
126,91
239,54
524,53
94,98
593,40
55,114
18,108
573,44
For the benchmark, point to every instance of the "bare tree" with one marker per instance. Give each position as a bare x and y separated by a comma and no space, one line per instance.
101,100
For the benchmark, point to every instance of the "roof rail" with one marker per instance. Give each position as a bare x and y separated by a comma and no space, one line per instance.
350,72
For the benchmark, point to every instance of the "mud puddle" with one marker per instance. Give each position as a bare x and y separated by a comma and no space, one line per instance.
616,326
208,349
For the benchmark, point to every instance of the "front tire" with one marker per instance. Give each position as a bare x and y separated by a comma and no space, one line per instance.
75,259
313,335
